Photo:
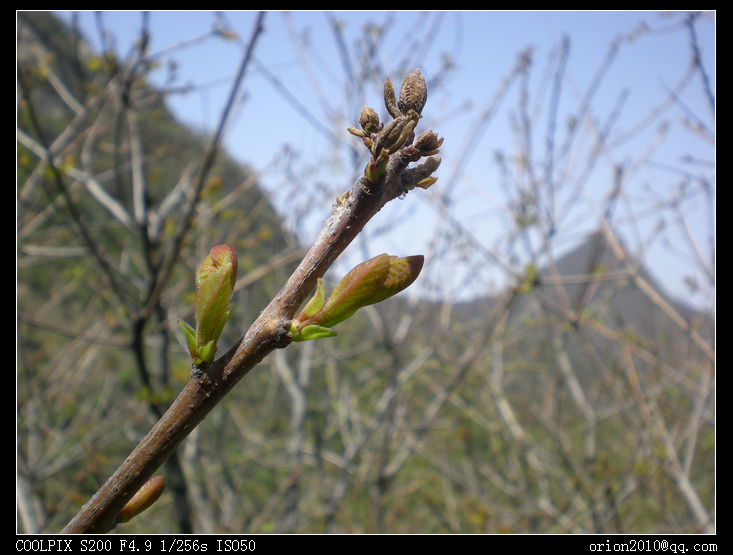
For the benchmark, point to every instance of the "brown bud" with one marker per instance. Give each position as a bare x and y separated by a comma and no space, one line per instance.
413,93
389,99
420,175
428,143
369,120
393,136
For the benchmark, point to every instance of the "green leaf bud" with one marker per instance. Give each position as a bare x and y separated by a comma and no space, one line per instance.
215,280
367,283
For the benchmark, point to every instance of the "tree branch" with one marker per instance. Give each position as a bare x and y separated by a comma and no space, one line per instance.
207,387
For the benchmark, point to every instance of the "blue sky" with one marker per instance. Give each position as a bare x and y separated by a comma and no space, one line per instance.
483,46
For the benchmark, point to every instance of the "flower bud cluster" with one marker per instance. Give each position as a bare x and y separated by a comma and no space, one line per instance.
384,140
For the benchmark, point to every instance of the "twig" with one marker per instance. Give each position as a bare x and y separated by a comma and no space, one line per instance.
206,388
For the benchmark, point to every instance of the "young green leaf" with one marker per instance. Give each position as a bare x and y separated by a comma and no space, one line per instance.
367,283
215,280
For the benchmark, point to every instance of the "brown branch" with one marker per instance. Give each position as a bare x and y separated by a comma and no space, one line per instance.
206,388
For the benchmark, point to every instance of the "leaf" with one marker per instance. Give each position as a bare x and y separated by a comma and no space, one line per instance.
190,335
314,332
316,303
367,283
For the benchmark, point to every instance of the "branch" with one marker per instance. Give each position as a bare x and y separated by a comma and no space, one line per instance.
387,176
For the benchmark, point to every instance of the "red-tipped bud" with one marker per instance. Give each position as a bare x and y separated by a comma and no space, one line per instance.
215,280
368,283
144,498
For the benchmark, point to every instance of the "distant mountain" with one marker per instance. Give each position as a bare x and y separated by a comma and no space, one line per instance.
591,282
